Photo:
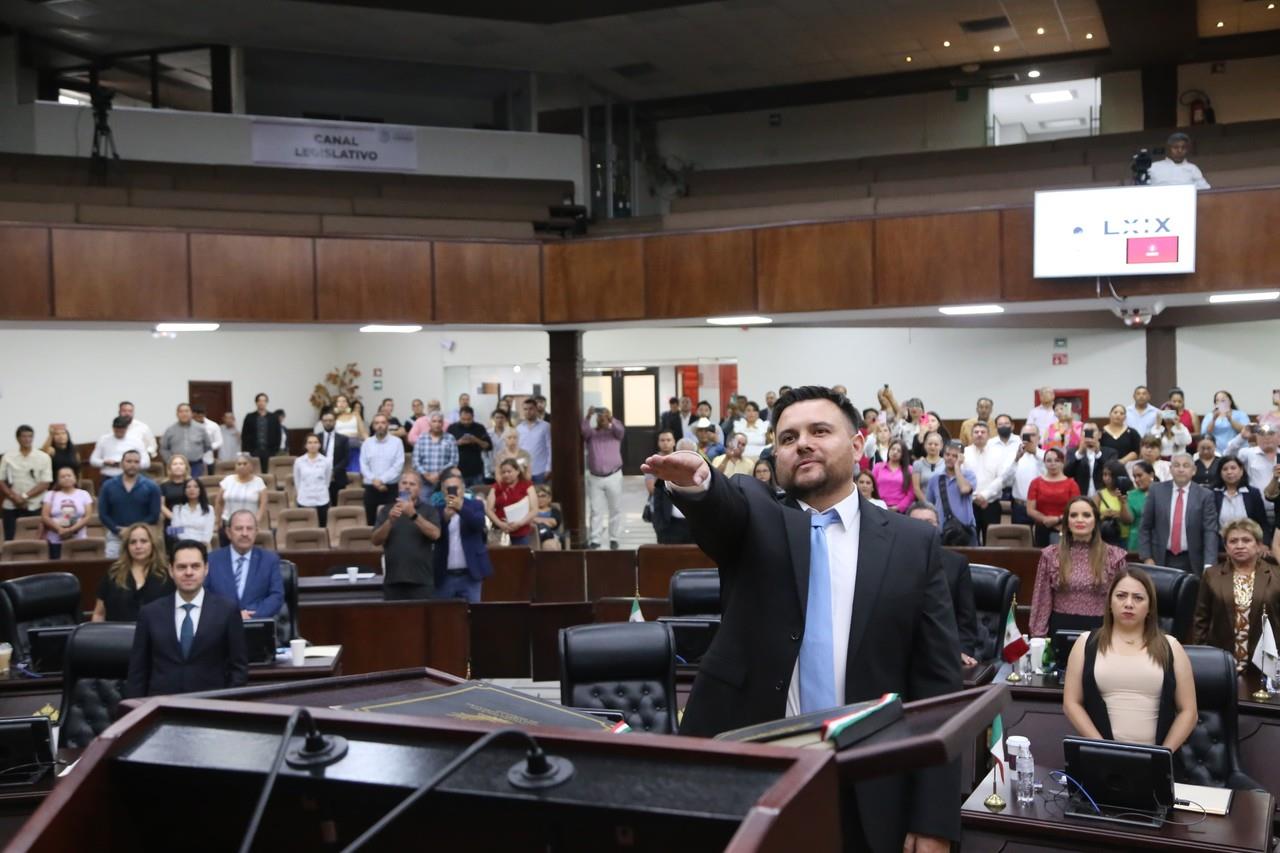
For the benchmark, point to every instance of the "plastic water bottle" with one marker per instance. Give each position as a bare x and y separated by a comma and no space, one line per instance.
1025,767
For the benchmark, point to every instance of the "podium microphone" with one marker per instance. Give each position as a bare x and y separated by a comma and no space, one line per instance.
316,749
539,770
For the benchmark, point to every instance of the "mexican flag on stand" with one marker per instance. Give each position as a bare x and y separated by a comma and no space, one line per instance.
1014,646
636,615
997,745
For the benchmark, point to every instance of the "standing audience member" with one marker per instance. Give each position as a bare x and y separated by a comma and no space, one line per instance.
210,429
473,442
348,422
1047,498
244,573
1149,452
1178,402
669,523
1143,476
672,420
335,447
312,477
461,555
1065,431
1026,468
866,487
65,511
283,448
512,504
1207,463
407,531
1119,436
932,423
138,431
417,411
260,435
1260,461
157,665
987,460
893,477
139,576
1043,416
733,460
188,439
1236,593
1141,416
960,583
983,416
464,402
435,451
194,518
1236,499
753,427
1074,575
381,462
511,450
602,435
1086,463
950,494
535,439
1179,522
25,475
242,490
111,447
173,489
877,448
1113,505
927,467
1174,437
126,500
499,427
230,448
62,451
1224,421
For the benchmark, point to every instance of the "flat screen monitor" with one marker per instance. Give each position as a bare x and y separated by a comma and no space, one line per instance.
26,750
260,640
1114,231
1062,641
48,647
1125,776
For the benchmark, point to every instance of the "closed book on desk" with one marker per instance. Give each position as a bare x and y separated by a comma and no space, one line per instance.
834,728
479,701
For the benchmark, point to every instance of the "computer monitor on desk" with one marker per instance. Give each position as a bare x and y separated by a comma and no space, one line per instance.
1124,782
1062,642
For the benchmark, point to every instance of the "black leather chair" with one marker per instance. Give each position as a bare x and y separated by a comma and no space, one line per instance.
1176,592
993,592
93,679
696,592
287,618
621,666
1211,754
37,601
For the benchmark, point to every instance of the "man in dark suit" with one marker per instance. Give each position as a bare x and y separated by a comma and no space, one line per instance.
672,420
461,555
246,574
260,435
337,449
1179,521
960,582
1085,463
828,600
189,641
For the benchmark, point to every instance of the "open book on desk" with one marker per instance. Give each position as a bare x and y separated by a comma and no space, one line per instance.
833,728
479,701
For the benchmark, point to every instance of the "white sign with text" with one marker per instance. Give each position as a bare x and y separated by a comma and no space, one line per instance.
383,148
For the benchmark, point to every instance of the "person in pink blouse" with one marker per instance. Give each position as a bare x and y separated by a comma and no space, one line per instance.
893,477
1074,575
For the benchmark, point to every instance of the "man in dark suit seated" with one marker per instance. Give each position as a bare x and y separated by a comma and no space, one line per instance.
461,554
190,641
960,582
245,573
827,600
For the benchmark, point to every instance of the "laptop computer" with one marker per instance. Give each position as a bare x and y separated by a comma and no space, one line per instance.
1122,782
260,640
48,646
26,750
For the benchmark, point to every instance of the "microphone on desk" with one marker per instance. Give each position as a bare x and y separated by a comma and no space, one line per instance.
539,770
316,749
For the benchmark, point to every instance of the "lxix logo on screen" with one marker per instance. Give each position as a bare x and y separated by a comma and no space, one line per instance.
1154,225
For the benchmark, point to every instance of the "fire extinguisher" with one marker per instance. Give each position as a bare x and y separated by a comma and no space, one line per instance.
1198,106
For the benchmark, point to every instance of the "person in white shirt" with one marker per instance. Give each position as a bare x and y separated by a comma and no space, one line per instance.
1173,436
1141,416
988,461
212,430
138,430
1261,461
754,427
1175,168
110,449
1028,463
312,473
1043,416
230,448
194,519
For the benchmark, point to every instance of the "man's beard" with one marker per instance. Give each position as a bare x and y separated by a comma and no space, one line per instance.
800,491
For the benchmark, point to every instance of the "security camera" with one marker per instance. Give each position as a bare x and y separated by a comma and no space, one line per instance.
1137,316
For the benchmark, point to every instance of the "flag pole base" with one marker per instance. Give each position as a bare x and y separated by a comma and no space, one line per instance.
995,802
1013,677
1261,696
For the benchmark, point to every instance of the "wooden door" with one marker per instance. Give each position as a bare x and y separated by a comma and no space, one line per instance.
214,396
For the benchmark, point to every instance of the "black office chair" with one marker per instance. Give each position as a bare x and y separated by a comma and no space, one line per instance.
287,618
696,592
1176,592
93,679
1211,754
37,601
993,592
621,666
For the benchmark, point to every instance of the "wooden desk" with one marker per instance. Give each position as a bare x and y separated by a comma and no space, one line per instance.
560,576
1040,825
655,564
343,690
312,590
391,634
324,563
512,578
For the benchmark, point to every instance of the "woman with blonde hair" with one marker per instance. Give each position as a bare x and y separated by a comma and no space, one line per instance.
173,489
140,575
1073,576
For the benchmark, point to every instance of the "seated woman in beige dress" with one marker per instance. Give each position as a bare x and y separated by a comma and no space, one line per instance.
1128,681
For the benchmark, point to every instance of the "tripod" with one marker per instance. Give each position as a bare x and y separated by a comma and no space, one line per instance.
104,141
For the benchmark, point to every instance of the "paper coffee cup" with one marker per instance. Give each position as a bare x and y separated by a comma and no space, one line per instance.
353,573
298,651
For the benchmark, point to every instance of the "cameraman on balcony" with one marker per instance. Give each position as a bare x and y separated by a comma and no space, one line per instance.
1175,168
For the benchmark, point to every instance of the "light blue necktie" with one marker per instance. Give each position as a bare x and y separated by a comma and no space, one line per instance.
817,664
187,635
240,576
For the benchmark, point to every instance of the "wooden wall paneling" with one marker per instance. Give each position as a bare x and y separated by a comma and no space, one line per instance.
559,576
313,564
487,283
610,573
25,286
512,578
500,639
825,267
1236,245
375,281
655,564
700,274
105,274
944,259
381,635
591,280
619,609
250,277
545,622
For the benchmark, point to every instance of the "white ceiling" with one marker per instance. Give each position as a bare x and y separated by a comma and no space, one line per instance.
1012,105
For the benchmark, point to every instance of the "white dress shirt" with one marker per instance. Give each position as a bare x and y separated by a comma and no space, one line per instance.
1019,475
110,447
1164,173
311,480
457,558
1143,422
1232,508
1260,470
1089,458
1043,419
988,466
142,434
215,440
179,613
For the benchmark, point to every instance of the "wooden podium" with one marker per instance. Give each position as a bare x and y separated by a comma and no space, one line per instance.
186,771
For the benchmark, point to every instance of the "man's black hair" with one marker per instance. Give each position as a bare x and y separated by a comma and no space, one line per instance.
186,544
24,428
466,410
816,392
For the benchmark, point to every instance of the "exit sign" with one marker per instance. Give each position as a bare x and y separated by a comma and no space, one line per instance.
1059,358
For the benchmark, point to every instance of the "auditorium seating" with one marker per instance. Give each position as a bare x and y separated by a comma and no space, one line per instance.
624,666
30,527
93,675
1009,536
1211,754
305,539
37,601
24,550
292,519
89,548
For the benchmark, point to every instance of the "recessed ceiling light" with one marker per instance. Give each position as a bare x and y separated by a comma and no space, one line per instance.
1055,96
1256,296
753,320
375,328
1063,123
970,310
908,59
1039,31
1088,35
948,44
1219,25
186,327
995,49
1033,73
1271,5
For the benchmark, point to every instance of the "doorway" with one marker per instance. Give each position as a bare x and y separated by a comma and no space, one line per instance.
214,396
632,395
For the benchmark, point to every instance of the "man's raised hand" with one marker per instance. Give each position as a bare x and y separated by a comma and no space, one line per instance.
682,468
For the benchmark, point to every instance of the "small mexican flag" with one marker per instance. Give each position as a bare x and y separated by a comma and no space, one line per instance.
636,615
997,745
1014,646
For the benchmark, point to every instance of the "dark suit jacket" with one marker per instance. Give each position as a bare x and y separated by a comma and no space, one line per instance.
1078,468
218,657
956,569
249,434
1215,619
1254,506
471,529
263,588
902,638
341,456
1201,520
672,422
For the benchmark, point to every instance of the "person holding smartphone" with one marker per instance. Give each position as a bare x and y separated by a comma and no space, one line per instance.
407,531
1224,421
1273,416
